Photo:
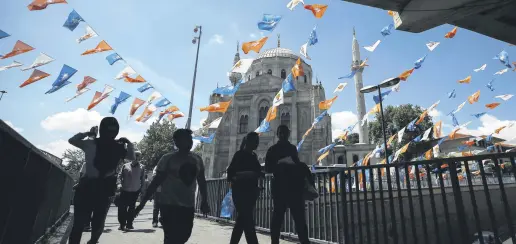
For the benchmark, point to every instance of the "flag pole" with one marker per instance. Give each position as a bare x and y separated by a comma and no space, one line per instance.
198,40
2,94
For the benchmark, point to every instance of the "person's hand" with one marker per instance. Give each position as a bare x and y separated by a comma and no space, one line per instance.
205,208
92,132
138,209
124,140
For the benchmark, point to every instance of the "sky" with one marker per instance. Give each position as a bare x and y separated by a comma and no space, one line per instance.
155,38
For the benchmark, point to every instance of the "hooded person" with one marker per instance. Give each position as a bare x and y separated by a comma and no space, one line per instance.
98,181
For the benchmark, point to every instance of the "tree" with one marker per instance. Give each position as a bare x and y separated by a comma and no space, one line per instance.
75,159
397,117
353,138
157,142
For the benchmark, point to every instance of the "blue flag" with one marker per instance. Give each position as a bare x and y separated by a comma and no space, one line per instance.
145,87
490,148
163,103
205,139
299,144
490,85
3,34
73,20
454,119
319,118
66,73
118,100
264,127
419,62
417,139
56,88
112,58
350,75
384,94
269,22
227,90
489,138
312,40
442,140
503,56
412,125
326,148
461,148
288,84
452,94
479,115
387,30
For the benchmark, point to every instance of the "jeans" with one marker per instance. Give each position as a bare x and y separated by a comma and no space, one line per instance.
89,204
126,208
245,201
296,204
155,210
177,223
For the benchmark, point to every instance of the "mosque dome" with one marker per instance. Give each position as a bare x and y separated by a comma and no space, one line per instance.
277,52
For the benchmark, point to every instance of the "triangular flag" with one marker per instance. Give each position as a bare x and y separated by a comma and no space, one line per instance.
278,99
254,45
90,33
85,82
271,114
41,60
126,72
293,3
373,47
474,98
178,115
466,80
297,70
113,58
35,76
3,34
146,114
138,79
42,4
242,65
505,97
220,107
78,94
317,9
340,87
304,52
155,95
325,105
19,48
101,47
451,34
482,68
269,22
502,71
14,64
118,100
432,45
99,97
492,105
405,75
73,20
137,103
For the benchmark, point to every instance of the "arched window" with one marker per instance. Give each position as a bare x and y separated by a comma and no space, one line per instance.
285,119
249,77
244,121
283,74
257,73
306,79
269,71
263,108
340,160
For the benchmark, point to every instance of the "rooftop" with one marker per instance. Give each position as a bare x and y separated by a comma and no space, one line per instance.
277,52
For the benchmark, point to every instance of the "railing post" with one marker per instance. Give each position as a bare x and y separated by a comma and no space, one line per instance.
345,232
459,203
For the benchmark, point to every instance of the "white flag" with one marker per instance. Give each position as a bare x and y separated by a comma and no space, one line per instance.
432,45
502,71
459,108
340,87
505,97
10,66
78,94
482,68
465,124
427,134
90,33
373,47
215,124
304,52
242,65
41,60
400,134
364,119
434,105
107,90
396,88
127,71
278,99
293,3
155,95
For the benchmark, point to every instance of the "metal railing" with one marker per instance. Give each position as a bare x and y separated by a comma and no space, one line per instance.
452,200
35,192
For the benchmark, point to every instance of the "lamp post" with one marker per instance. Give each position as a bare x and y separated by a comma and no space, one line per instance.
2,94
195,40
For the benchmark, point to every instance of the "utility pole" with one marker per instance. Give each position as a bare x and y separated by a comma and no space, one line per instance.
2,94
195,40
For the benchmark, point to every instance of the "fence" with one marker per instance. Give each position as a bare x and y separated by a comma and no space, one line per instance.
35,191
453,200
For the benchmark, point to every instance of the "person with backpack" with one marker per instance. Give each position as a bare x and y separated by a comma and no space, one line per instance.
243,174
98,183
288,185
178,174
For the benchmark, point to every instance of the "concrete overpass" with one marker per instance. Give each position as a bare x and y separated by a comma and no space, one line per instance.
493,18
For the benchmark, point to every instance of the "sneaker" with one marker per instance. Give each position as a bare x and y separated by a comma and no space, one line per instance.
155,225
129,227
122,228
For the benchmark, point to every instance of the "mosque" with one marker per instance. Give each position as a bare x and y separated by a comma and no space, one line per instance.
254,98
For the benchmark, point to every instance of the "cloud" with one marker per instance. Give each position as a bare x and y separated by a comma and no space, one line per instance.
57,148
216,39
132,135
435,114
489,124
17,129
340,121
76,121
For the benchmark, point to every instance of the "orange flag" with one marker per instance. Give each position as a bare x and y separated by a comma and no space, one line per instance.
474,98
390,12
96,100
492,105
466,80
297,70
325,105
146,114
497,131
468,143
317,9
405,75
254,45
428,154
389,142
467,154
438,129
271,114
514,64
344,136
19,48
42,4
35,76
175,116
220,107
137,103
375,109
451,34
452,134
138,79
422,117
170,109
101,47
87,80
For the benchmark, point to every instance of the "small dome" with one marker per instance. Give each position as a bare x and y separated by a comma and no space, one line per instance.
277,52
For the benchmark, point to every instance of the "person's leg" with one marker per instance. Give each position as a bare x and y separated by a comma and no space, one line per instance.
278,214
248,221
131,205
155,211
122,209
297,209
177,224
82,213
99,217
238,229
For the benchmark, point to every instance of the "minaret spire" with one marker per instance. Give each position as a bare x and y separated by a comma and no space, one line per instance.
279,41
238,47
361,109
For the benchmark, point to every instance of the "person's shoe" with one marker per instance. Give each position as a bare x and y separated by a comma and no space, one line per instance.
129,227
155,225
87,228
122,228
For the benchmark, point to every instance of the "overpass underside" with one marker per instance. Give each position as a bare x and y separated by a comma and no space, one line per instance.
493,18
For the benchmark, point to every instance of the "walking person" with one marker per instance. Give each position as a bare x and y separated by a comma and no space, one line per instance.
98,184
243,174
287,185
156,197
132,179
178,173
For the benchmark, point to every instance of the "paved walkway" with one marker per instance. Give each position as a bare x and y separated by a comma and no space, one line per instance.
204,231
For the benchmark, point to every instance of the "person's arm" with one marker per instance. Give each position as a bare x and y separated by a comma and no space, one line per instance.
155,183
142,180
78,140
203,189
121,176
231,169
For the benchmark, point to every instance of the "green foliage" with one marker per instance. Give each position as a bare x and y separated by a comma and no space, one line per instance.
353,138
157,142
397,117
75,159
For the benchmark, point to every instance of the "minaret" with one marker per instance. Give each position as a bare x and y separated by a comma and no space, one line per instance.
235,77
361,109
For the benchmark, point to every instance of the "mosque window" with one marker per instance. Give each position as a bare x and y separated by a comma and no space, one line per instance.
285,119
340,160
249,77
257,73
283,74
262,113
305,79
244,121
269,71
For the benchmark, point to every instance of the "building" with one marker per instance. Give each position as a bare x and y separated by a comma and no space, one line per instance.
252,101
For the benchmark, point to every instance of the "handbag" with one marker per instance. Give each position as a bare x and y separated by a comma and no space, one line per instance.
309,191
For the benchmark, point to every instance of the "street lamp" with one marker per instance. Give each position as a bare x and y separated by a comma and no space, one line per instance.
2,94
384,84
195,40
